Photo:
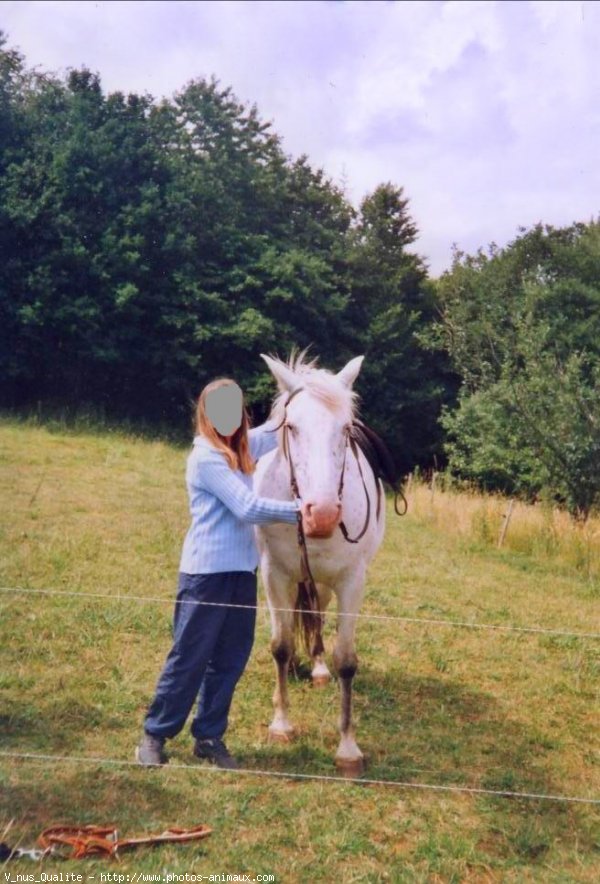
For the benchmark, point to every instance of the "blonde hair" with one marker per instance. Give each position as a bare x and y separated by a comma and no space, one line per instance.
238,451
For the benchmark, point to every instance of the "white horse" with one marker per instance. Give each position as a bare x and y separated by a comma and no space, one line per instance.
318,418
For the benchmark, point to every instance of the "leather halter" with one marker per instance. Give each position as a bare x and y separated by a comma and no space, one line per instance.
294,482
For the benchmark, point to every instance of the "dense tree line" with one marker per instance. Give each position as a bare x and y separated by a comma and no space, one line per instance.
149,246
522,325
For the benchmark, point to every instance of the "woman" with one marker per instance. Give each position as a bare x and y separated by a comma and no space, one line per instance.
212,642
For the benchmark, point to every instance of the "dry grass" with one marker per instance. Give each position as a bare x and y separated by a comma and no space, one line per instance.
539,531
107,513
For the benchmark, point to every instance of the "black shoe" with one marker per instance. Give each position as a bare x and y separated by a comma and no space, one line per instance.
150,751
216,752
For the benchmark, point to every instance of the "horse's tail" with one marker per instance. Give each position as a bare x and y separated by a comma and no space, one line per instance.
308,619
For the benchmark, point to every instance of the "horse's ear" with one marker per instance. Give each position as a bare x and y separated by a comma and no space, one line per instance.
349,372
286,379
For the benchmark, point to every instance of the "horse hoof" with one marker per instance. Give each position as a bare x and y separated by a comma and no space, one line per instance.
319,681
280,736
350,767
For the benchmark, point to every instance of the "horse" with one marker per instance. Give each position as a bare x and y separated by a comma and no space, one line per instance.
313,429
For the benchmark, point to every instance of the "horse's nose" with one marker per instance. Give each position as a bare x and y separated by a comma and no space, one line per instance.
323,515
317,509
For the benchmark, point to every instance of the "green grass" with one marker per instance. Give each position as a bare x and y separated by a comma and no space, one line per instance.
106,513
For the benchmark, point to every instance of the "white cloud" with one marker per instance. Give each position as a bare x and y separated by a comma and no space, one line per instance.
485,112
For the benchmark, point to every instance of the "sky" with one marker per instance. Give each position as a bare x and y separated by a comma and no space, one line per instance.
486,113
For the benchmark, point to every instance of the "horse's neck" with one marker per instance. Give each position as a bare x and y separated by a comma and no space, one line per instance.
279,467
276,474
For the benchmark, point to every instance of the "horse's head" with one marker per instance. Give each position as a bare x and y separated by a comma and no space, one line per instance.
318,419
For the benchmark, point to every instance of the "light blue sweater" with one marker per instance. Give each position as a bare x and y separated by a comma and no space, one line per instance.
224,508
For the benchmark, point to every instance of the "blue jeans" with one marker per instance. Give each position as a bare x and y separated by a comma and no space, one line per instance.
211,646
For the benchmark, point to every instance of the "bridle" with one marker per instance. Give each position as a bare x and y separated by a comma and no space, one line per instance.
308,597
294,482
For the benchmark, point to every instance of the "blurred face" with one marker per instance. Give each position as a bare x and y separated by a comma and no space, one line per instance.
224,409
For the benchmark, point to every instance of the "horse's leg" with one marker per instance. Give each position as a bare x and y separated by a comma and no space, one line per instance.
282,647
320,673
349,759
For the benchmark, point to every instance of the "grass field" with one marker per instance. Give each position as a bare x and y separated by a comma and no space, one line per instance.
105,513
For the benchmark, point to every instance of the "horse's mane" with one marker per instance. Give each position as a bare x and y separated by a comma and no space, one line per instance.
320,382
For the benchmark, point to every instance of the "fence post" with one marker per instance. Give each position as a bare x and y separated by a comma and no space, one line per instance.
505,522
433,478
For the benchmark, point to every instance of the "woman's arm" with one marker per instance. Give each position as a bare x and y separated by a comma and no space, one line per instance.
261,440
214,475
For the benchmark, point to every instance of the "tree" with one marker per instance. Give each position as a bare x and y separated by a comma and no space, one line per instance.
522,327
392,305
148,245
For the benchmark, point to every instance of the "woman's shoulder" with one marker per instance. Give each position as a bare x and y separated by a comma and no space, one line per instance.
202,461
203,451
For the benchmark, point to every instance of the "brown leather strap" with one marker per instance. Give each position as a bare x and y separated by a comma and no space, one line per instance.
90,840
343,528
399,493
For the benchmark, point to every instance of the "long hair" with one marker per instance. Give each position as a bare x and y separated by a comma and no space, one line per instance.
238,451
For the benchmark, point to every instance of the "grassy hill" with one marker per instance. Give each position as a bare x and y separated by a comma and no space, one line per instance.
101,516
